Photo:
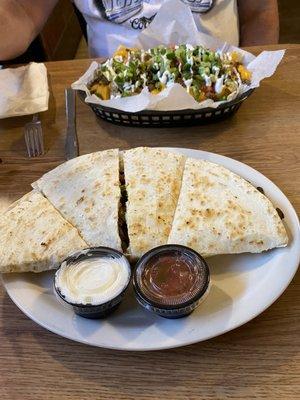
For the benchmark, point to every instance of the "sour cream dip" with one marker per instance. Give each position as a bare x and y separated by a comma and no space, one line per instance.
92,281
93,277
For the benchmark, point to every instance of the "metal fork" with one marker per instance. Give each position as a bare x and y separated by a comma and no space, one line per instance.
34,137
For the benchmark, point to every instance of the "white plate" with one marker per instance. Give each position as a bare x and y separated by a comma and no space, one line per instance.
243,286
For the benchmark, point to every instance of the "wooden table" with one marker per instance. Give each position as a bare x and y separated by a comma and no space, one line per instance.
260,360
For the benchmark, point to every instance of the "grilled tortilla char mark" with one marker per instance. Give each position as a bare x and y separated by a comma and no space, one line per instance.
219,212
34,236
153,180
86,192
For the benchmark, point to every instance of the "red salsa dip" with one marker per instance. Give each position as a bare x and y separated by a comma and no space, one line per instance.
171,276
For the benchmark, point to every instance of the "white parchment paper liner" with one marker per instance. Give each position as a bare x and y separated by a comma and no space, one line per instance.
23,90
174,24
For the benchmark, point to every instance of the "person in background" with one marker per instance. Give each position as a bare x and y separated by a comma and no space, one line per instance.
239,22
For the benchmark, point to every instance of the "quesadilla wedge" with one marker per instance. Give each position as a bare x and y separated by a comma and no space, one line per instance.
34,236
85,190
219,212
153,179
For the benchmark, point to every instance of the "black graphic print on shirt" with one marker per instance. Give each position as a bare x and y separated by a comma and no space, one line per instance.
142,22
119,11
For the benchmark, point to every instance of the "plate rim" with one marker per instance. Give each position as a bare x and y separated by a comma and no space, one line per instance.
293,270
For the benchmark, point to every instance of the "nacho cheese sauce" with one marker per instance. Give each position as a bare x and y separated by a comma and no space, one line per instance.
172,279
94,280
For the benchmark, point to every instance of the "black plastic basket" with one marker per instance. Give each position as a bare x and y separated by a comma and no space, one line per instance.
159,119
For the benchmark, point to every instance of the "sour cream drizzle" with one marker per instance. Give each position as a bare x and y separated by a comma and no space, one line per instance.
93,280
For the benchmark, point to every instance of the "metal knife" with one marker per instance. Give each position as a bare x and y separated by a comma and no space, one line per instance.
71,146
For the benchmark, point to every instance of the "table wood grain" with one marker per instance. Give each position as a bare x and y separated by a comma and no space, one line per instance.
259,360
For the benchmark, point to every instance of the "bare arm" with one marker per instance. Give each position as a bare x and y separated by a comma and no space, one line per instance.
259,22
20,23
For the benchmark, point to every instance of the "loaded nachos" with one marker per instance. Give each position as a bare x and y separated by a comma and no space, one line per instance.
205,74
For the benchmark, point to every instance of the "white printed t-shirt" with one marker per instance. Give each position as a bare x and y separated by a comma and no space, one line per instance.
120,21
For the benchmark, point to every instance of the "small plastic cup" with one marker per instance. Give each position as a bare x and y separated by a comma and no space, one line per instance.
171,280
94,311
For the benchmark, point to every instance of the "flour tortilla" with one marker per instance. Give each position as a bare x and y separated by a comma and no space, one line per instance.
153,179
218,212
34,236
85,190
